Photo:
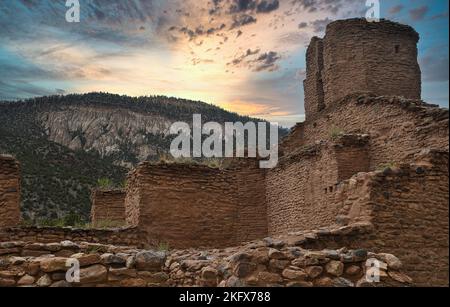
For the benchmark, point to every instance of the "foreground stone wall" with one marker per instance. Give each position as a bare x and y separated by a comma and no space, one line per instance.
301,190
398,128
409,208
119,236
108,207
260,263
197,206
9,191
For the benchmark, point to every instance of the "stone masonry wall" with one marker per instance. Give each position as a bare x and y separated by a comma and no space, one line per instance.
108,207
268,263
119,236
250,185
300,191
408,208
313,84
379,58
193,205
9,191
398,128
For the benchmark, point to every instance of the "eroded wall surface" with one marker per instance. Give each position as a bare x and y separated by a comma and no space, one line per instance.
408,208
380,58
9,191
300,191
398,128
194,205
108,207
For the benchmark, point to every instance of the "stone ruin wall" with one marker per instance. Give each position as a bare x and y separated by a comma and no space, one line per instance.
127,236
398,128
407,208
357,56
9,192
197,206
265,263
313,84
410,215
108,208
300,191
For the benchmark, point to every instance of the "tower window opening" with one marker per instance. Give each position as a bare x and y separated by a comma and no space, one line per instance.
397,48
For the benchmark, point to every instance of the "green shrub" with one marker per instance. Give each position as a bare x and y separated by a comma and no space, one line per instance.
163,247
336,132
105,183
385,166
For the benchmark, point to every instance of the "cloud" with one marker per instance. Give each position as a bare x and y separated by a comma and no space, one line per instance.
238,60
302,25
396,9
443,15
257,62
242,20
267,6
435,66
267,61
258,6
320,25
419,13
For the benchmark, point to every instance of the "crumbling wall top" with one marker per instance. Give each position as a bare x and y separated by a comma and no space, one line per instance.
361,24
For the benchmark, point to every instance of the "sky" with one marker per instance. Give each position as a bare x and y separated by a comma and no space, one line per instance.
247,56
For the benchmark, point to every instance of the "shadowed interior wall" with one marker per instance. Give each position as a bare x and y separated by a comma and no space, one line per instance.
194,205
300,192
108,207
9,191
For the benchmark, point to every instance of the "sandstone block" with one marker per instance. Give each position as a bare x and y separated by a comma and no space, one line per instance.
93,274
54,264
44,281
298,275
314,271
335,268
150,260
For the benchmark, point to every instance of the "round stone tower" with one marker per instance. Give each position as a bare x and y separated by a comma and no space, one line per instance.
373,57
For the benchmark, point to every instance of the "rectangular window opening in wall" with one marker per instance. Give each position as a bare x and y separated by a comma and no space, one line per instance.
397,49
331,189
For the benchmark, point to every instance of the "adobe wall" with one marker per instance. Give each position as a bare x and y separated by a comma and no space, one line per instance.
249,183
375,57
197,206
300,191
407,208
313,84
398,128
120,236
9,191
108,207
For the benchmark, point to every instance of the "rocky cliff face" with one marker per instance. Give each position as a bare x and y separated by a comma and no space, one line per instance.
129,136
